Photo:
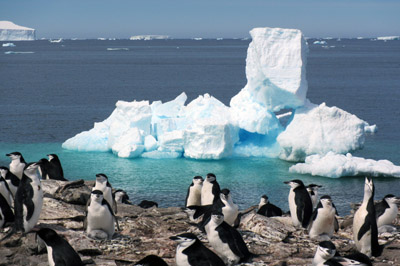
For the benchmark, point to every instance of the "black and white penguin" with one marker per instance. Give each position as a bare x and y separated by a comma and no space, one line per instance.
193,197
268,209
326,255
191,252
300,204
17,164
103,185
5,191
365,230
59,251
147,204
210,190
226,240
28,201
229,209
313,191
55,170
100,219
323,222
386,210
12,180
121,196
151,260
6,214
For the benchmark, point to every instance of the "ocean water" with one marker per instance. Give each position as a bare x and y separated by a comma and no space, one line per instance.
59,90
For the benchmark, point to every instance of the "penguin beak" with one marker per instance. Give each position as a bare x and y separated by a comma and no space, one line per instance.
287,182
175,238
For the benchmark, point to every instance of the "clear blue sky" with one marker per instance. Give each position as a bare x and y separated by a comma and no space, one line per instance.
202,18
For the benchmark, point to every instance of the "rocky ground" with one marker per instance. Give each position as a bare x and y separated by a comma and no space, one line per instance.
147,231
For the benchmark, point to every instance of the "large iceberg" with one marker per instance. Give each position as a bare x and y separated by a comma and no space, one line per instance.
12,32
205,128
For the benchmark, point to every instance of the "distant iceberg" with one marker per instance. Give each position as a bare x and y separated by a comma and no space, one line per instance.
12,32
148,37
320,42
9,44
205,128
388,38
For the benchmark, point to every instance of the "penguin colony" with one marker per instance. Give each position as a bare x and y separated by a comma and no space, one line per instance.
212,208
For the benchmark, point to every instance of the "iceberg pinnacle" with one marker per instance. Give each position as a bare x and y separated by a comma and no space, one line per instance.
205,128
12,32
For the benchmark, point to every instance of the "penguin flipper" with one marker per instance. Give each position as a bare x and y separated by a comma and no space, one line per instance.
380,208
25,196
364,228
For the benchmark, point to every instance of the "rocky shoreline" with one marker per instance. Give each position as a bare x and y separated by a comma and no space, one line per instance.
147,231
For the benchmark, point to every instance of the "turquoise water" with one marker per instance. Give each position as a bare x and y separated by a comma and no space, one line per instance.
166,181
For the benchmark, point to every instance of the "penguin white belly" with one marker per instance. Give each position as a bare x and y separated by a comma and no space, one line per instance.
99,218
230,212
6,194
50,256
207,197
221,248
194,198
37,200
180,258
293,209
13,188
364,244
388,216
324,223
17,168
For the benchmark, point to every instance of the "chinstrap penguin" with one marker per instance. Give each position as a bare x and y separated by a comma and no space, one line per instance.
226,240
326,255
365,230
17,164
59,251
300,204
6,214
386,210
191,252
103,185
229,209
193,197
121,196
6,192
313,191
268,209
151,260
11,179
323,222
100,219
210,190
55,170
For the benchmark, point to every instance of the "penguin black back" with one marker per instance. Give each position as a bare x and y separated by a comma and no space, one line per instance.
55,170
62,252
8,215
151,260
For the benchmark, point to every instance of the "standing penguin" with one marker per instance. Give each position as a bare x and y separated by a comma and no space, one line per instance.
54,169
191,252
193,197
12,180
28,201
326,255
313,191
323,221
17,164
5,191
268,209
59,251
229,209
365,230
100,219
103,185
300,204
6,214
226,240
386,210
210,190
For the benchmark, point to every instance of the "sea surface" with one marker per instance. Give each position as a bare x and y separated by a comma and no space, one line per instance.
51,91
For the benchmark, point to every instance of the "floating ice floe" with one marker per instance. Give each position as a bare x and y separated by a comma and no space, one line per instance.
205,128
338,165
9,44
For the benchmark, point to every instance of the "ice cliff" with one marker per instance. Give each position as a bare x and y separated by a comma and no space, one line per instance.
12,32
207,129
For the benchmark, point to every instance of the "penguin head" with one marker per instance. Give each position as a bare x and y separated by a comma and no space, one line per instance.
217,217
97,195
225,194
264,200
185,240
121,196
369,187
52,156
15,156
198,180
295,183
313,187
326,250
211,177
49,236
326,201
101,178
3,171
392,199
31,168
